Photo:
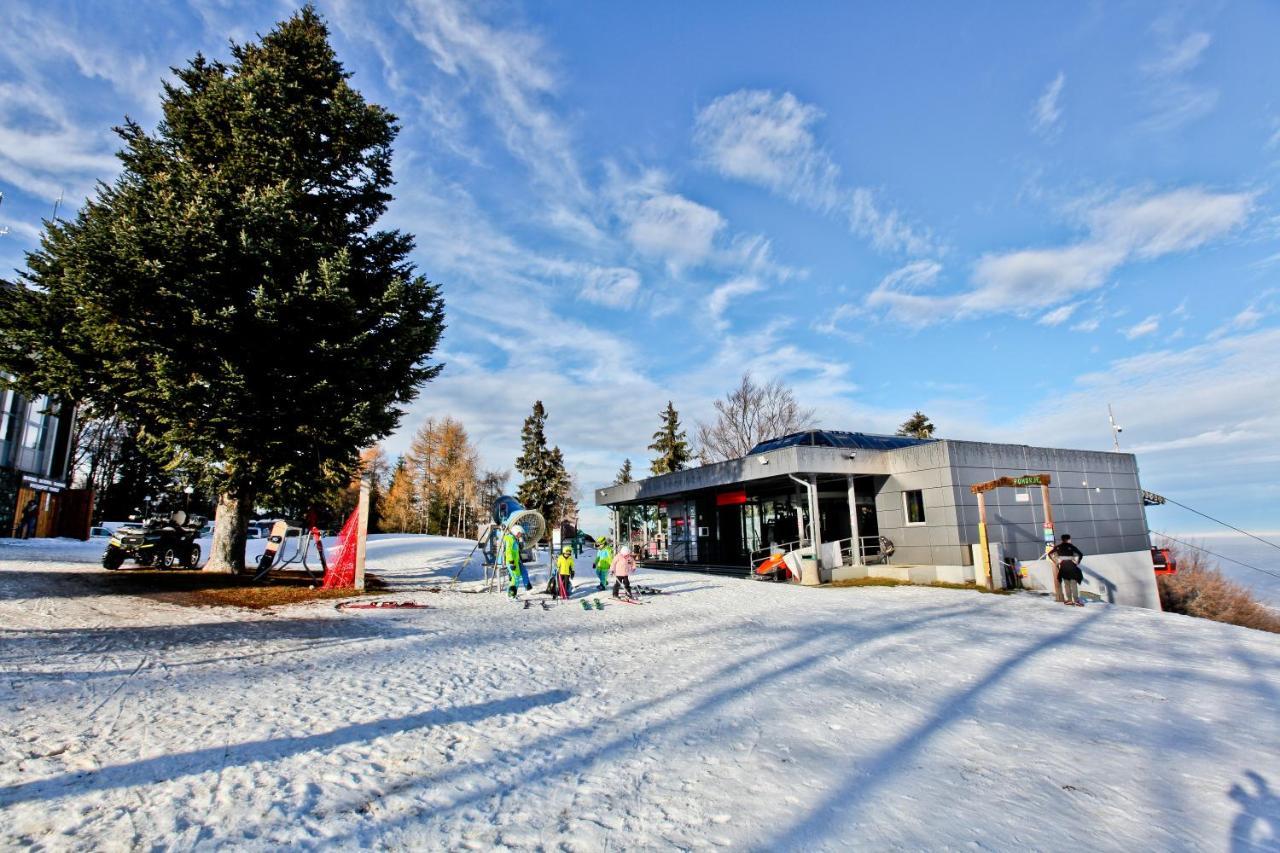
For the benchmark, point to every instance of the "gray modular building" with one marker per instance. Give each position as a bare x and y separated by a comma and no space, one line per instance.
878,499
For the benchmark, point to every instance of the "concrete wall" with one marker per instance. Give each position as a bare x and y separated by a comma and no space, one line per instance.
1115,578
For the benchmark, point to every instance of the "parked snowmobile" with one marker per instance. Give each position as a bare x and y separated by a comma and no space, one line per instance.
162,542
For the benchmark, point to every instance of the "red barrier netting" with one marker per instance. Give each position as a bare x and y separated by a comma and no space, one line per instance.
340,573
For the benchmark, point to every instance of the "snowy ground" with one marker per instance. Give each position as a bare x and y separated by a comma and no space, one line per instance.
725,713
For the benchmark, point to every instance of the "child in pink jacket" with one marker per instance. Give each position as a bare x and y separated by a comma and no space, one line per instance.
622,568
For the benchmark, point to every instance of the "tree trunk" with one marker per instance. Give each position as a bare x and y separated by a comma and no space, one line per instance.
232,518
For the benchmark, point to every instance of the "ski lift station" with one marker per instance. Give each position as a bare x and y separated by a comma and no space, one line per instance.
896,507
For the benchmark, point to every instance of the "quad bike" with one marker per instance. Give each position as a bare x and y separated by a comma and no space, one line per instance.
162,542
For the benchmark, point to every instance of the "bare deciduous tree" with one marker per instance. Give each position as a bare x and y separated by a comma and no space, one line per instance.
748,415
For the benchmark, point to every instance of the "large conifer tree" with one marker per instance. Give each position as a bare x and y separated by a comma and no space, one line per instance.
228,293
670,444
546,482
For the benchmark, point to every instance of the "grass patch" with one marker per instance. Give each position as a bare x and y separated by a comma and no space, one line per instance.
214,589
871,582
936,584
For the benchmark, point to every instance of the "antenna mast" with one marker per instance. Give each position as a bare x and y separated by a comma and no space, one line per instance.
1115,430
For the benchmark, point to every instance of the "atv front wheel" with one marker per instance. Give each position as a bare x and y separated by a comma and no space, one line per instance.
112,560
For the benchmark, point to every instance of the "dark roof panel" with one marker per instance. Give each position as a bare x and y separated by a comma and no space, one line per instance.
836,438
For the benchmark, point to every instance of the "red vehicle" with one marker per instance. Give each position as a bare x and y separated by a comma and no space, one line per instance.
1164,562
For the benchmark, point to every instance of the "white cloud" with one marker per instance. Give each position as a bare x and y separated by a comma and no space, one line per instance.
1249,317
673,228
767,139
1047,113
1090,325
1128,229
43,151
1179,57
1143,328
726,296
1172,98
1059,315
615,287
1174,221
841,323
508,69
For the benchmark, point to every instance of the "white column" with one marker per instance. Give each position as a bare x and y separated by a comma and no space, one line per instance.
815,524
853,523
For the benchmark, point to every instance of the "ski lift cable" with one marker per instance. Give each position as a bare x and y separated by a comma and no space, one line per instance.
1224,524
1213,554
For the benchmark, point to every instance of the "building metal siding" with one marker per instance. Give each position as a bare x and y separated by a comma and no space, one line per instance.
1096,495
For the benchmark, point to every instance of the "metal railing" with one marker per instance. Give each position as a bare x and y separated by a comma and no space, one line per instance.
759,555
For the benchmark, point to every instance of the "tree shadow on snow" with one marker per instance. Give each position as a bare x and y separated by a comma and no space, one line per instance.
212,759
142,639
841,804
1257,828
803,650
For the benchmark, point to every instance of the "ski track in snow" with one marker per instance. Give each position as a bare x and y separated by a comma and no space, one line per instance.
723,714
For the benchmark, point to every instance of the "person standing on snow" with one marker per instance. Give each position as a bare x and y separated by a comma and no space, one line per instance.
565,569
30,516
622,568
511,543
1067,557
604,555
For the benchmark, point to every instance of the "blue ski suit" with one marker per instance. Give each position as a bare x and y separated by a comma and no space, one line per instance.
604,556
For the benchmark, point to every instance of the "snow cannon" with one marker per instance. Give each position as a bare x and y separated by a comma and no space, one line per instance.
505,507
531,522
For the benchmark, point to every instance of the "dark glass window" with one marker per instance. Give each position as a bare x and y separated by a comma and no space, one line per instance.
914,501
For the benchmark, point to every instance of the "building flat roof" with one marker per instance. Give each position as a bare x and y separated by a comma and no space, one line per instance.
838,438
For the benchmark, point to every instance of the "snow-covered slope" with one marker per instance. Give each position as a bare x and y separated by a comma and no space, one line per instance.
726,713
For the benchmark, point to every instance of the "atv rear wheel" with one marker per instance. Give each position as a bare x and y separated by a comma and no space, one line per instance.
193,557
167,559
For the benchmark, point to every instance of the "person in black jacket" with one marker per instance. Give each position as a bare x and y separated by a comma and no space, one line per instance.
1067,557
30,516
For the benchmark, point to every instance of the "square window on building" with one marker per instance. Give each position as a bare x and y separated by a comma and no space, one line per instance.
913,506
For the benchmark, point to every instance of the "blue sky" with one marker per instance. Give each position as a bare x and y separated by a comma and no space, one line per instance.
1005,215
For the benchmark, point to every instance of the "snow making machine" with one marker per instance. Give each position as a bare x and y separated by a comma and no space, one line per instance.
507,515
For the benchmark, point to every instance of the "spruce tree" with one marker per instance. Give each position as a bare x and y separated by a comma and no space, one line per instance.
669,443
229,293
545,479
917,426
624,473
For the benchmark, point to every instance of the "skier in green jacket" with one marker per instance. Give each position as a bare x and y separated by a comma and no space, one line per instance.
604,556
511,556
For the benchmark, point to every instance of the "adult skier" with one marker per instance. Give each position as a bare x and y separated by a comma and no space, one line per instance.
604,555
1066,558
511,543
565,567
622,568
